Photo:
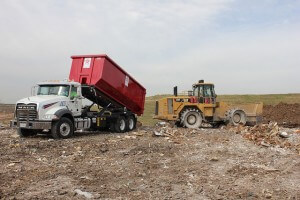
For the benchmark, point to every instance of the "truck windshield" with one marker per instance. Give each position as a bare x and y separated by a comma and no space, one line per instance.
60,90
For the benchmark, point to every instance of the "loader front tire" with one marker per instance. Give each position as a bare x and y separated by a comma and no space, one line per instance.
191,118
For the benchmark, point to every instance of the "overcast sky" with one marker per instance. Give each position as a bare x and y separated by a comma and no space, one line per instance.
244,47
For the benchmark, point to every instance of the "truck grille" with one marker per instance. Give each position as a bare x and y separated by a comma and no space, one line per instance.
26,112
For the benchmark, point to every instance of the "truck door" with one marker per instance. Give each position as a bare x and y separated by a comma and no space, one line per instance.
75,101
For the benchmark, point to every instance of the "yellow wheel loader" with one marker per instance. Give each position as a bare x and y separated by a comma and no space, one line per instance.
201,106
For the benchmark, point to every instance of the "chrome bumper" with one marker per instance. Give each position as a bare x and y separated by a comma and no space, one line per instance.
31,124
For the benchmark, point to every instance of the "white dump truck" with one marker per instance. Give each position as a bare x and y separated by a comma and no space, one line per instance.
57,106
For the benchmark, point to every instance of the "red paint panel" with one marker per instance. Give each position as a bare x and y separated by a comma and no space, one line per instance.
108,77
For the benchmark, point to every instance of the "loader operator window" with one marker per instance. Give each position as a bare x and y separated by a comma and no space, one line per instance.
60,90
205,93
196,91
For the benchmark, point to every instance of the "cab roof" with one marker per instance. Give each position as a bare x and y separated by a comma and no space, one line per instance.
58,82
196,84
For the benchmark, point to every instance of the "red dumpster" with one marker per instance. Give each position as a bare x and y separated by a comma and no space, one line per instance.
105,75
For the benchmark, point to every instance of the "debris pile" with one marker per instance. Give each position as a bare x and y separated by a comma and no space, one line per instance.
171,132
268,135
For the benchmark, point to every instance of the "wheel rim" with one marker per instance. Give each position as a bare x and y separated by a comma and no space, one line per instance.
191,119
131,124
65,129
237,118
122,124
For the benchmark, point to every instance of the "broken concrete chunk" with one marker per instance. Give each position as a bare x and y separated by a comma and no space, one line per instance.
87,195
284,134
157,133
265,144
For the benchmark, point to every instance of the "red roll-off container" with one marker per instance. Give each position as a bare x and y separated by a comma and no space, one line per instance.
102,73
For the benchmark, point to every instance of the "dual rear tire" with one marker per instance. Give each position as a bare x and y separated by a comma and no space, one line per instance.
123,124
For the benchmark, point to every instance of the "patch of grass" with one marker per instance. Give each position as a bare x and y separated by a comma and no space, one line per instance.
267,99
147,118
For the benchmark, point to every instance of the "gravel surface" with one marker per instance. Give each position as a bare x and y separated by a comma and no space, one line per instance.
158,162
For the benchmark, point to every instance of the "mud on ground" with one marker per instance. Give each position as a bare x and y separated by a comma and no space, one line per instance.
152,163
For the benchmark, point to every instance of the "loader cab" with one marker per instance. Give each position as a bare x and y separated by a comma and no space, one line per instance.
205,92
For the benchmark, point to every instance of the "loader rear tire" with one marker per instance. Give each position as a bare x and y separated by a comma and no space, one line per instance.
236,117
191,118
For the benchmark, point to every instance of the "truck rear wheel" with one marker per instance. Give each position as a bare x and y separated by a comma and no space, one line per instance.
23,132
131,123
121,125
63,128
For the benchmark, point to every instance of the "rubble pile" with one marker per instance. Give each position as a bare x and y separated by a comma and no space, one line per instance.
171,132
269,135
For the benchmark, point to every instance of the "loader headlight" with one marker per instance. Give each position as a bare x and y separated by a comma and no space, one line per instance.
50,117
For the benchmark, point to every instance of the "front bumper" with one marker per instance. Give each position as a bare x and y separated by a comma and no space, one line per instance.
31,124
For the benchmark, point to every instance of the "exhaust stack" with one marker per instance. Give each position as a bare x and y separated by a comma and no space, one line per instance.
175,91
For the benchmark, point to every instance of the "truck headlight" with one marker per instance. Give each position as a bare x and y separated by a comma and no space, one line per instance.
50,116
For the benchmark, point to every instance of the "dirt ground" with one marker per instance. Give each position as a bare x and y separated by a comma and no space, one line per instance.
151,163
160,162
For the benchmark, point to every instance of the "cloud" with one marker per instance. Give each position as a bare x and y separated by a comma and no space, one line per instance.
252,61
161,43
38,37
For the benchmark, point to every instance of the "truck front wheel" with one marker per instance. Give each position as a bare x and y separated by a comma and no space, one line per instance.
62,128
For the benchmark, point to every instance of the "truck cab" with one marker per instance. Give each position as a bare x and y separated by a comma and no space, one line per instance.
52,101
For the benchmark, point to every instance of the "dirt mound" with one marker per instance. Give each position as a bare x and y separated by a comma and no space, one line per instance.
284,114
